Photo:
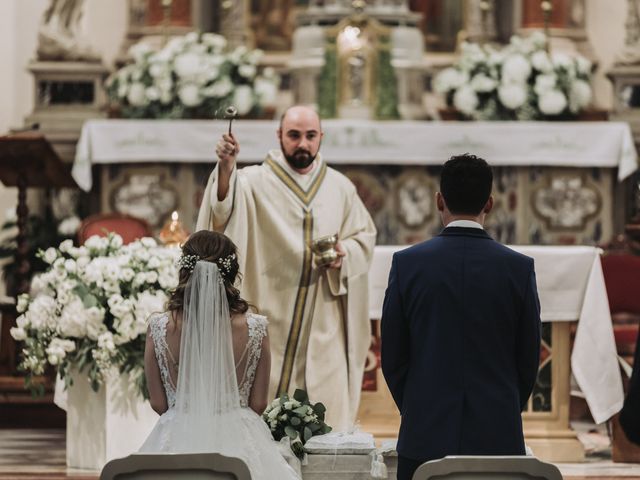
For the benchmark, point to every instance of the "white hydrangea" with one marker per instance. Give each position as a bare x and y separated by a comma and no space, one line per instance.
243,99
516,69
579,95
465,100
552,102
483,83
512,95
136,94
541,61
545,83
450,79
189,94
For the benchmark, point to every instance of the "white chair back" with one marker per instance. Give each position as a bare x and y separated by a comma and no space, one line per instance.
192,466
485,468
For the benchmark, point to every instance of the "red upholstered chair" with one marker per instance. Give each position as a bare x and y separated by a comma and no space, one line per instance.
128,227
622,278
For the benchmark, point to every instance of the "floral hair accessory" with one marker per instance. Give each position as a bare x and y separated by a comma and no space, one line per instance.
225,263
188,262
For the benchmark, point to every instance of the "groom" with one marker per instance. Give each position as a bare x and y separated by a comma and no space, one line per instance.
460,331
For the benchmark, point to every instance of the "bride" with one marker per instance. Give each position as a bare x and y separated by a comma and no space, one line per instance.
207,364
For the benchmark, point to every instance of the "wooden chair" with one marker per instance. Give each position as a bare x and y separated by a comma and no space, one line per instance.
192,466
622,278
482,468
128,227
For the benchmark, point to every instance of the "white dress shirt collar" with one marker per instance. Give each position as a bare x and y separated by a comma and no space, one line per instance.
465,224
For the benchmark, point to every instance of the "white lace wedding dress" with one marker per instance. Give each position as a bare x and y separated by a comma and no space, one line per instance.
240,433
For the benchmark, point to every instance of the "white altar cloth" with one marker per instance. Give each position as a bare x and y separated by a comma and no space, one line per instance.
571,287
570,144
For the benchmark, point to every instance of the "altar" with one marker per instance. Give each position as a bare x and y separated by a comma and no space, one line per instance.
555,182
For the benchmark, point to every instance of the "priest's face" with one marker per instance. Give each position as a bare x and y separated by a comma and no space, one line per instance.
300,134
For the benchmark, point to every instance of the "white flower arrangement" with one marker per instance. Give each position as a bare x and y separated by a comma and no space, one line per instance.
192,77
89,309
520,82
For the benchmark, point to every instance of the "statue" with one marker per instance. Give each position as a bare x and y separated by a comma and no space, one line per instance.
630,54
59,36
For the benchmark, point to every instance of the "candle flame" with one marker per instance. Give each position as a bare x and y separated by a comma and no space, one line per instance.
174,216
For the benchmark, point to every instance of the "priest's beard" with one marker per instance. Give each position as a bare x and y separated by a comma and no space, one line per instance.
300,158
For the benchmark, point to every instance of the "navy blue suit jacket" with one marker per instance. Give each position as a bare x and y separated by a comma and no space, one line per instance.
460,345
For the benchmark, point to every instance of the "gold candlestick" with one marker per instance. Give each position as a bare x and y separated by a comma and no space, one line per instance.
173,233
547,7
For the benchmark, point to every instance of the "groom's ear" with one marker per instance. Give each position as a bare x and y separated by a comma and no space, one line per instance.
488,206
440,202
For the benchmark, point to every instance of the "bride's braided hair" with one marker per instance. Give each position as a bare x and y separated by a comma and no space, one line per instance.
211,247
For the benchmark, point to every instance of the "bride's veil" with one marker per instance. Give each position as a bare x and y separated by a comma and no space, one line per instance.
207,389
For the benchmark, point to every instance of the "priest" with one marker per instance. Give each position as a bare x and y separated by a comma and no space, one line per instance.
319,324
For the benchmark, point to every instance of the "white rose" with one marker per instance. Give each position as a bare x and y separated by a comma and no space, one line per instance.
189,95
512,95
243,99
50,255
18,334
127,274
579,95
82,262
483,83
115,241
516,69
541,62
562,60
465,100
137,95
139,51
152,277
23,303
552,102
21,321
70,265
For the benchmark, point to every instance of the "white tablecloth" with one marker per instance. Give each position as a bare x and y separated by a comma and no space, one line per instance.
571,287
577,144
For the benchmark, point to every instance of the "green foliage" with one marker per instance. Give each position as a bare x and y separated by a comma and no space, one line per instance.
328,83
387,90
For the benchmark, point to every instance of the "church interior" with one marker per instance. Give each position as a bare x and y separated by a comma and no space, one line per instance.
109,117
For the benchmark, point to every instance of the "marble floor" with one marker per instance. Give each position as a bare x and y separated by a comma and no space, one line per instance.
29,454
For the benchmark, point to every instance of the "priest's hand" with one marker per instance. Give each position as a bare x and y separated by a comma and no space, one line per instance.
227,150
337,263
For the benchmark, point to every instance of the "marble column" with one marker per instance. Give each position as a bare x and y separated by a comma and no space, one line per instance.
235,22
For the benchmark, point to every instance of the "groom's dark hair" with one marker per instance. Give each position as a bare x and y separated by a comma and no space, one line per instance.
465,184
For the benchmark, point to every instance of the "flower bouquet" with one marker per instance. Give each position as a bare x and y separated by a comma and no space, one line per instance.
519,82
191,77
89,309
297,419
